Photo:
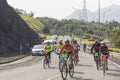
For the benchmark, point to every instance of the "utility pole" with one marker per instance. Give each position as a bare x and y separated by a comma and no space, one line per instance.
99,17
84,11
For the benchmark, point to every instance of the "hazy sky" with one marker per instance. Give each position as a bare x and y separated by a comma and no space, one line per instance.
58,8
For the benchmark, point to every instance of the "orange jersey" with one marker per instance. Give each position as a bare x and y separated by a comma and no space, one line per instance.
68,48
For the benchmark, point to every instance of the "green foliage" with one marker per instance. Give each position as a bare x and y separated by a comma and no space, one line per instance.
35,24
115,36
114,49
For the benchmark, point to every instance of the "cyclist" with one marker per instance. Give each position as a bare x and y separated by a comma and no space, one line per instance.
72,41
104,51
96,47
48,49
68,48
77,48
84,47
60,43
59,46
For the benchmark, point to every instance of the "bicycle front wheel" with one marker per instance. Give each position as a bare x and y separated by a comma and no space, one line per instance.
104,67
60,65
64,71
44,64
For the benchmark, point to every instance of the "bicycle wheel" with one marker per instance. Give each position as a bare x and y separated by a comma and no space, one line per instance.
48,63
104,67
64,71
97,63
60,65
71,70
75,62
44,64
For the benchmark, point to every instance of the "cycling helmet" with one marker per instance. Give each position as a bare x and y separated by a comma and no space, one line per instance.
97,41
75,42
61,42
48,42
67,41
102,42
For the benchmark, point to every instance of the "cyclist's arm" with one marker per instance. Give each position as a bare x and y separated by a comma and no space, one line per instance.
107,51
62,48
92,48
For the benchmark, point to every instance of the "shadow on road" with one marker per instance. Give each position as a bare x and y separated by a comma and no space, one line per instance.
54,68
79,72
114,70
114,74
80,78
85,65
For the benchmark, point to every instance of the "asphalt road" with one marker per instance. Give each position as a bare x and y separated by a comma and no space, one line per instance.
86,70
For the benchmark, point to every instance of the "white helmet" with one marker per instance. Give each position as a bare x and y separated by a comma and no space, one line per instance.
97,41
102,42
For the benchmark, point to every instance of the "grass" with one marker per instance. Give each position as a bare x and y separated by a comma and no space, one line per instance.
35,24
46,37
49,37
114,49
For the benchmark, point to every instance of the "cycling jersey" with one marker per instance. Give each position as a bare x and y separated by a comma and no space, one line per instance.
104,50
76,46
68,48
96,47
48,48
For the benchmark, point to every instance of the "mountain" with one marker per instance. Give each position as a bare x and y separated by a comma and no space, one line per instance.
14,31
106,14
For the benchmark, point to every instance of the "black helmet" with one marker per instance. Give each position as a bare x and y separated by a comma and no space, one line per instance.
67,41
75,42
48,42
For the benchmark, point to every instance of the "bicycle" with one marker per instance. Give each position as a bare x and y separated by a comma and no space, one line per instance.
65,66
97,60
46,61
84,49
103,57
62,59
71,66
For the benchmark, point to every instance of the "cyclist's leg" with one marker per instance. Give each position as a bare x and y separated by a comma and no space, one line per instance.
69,57
49,54
77,55
99,55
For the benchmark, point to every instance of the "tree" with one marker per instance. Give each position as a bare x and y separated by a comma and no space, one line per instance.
115,37
31,14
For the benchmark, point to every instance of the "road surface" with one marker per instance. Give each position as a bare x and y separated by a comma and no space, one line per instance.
86,70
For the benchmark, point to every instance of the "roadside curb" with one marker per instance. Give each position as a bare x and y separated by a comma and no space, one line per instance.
14,60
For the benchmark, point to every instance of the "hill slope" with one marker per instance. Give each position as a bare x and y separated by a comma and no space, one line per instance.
35,24
14,31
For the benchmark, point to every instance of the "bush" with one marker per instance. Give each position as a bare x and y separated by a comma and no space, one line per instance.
115,37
